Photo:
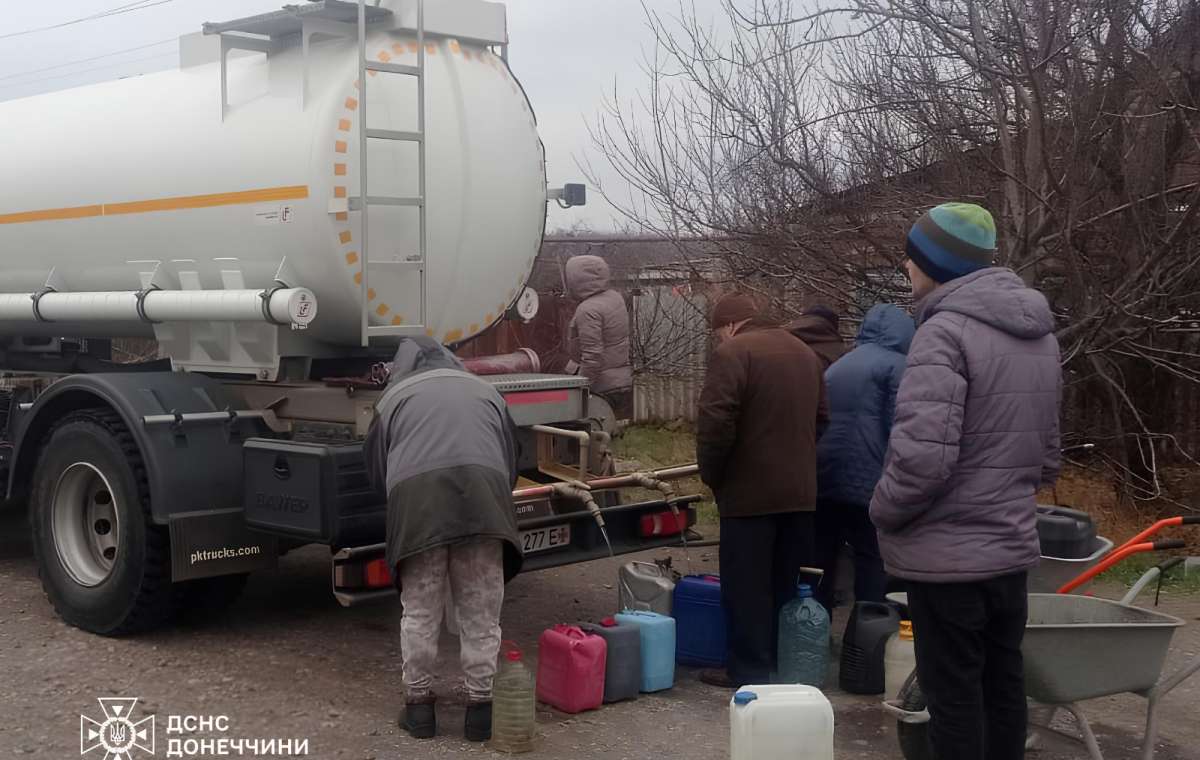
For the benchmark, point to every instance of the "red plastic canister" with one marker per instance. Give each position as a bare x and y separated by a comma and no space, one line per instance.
570,674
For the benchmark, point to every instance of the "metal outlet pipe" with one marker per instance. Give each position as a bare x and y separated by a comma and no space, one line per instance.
585,444
616,481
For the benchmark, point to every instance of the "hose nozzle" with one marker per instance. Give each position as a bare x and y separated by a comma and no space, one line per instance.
581,492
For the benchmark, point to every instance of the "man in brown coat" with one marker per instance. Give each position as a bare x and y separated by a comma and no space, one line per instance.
760,413
818,328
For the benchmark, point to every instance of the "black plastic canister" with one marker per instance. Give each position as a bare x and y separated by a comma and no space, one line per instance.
623,670
1065,533
870,626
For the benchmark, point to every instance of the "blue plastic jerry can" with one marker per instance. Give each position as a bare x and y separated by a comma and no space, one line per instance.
658,647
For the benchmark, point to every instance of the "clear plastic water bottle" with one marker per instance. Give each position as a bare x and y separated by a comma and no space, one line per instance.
803,639
514,707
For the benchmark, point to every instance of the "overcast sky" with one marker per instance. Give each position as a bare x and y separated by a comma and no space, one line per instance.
567,53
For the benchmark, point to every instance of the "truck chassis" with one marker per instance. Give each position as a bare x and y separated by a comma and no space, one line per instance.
152,491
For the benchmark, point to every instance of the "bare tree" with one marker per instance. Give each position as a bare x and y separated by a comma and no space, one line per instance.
811,135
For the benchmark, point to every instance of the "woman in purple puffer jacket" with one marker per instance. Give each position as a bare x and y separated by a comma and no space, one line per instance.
976,433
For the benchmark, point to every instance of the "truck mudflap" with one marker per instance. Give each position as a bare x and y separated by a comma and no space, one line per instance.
360,574
211,543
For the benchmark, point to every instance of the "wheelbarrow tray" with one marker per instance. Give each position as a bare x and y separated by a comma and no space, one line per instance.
1052,573
1079,647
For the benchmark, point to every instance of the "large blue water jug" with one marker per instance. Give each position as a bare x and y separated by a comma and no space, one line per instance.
803,639
658,647
699,622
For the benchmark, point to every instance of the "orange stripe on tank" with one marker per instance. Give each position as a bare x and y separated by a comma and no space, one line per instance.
52,214
287,193
296,192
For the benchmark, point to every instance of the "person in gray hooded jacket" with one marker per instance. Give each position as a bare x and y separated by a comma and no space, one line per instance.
976,433
598,336
443,446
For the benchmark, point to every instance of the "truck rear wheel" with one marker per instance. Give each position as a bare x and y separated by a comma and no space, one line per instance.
104,565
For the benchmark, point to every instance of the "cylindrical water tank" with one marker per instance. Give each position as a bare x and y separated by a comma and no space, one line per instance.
102,182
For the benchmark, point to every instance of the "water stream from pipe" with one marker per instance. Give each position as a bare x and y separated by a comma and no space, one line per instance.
604,532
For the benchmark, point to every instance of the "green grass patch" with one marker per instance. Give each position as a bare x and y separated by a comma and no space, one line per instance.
656,446
1127,572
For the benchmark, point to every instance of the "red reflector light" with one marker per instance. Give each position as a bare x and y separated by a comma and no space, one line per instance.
663,524
377,574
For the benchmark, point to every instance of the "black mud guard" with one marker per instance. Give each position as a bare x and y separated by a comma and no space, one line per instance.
189,467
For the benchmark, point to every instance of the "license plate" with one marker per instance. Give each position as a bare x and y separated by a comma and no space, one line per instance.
544,539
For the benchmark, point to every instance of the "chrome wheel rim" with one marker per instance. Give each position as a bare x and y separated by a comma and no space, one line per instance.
87,532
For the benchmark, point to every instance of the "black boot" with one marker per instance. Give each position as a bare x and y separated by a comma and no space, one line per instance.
479,722
420,719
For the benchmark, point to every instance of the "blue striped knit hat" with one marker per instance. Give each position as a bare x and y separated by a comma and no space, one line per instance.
952,240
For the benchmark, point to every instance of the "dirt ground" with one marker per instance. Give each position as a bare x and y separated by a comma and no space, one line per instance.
285,661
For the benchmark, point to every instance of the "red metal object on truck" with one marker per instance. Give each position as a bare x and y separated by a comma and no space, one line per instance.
521,361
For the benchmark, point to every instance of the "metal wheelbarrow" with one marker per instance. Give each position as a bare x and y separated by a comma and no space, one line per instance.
1069,646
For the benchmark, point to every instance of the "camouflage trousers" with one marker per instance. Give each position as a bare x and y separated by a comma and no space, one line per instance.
472,575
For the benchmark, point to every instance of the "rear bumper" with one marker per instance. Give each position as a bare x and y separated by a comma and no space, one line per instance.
624,526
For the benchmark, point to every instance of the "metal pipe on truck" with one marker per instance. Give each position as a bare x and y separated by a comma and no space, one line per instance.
282,306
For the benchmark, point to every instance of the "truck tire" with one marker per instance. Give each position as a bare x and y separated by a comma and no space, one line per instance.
104,565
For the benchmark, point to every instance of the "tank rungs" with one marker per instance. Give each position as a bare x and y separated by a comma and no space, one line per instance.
394,68
408,264
386,200
393,134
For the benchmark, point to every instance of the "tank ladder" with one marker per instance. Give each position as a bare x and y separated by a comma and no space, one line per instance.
365,201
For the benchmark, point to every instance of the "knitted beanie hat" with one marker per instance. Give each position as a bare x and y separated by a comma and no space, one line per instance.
824,312
733,308
952,240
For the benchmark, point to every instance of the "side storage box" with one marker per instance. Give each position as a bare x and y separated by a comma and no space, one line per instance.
314,491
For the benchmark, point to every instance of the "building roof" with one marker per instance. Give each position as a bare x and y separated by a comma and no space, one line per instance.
627,256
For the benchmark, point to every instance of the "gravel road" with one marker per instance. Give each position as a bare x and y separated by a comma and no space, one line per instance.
286,662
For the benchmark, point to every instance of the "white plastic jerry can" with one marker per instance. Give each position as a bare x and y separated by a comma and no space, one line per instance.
780,722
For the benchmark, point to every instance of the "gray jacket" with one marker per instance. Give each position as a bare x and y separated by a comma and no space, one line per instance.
976,433
598,337
443,446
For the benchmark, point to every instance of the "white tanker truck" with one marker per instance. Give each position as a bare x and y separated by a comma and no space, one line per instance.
309,185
